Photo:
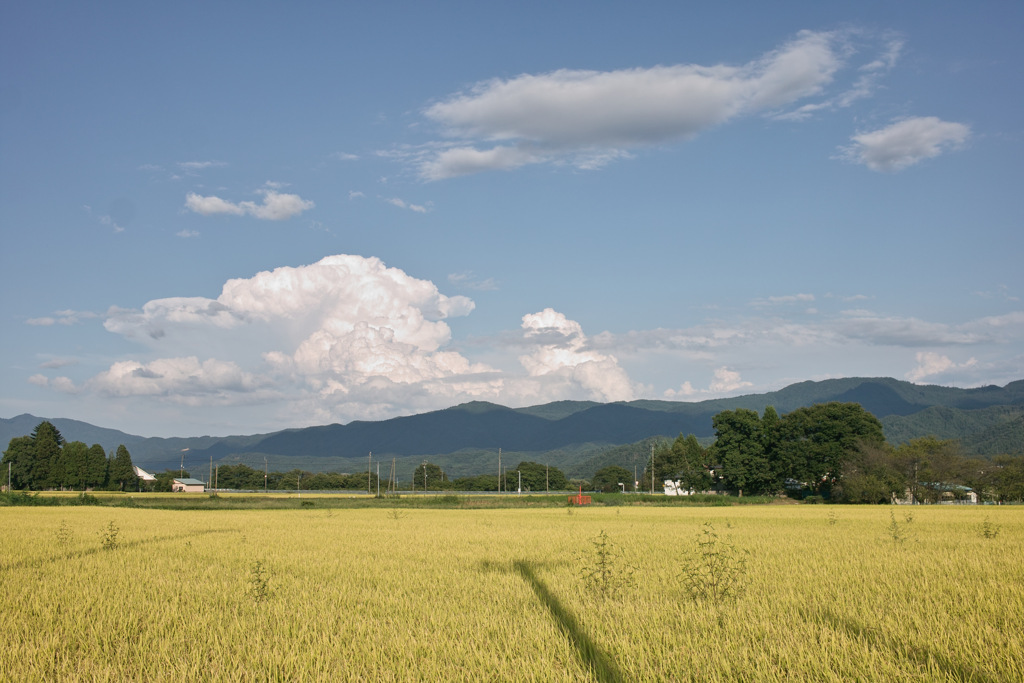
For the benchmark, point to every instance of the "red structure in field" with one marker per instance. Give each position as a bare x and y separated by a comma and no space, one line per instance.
579,499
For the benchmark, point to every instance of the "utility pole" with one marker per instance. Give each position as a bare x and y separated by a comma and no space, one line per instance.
378,479
264,474
520,489
547,479
424,477
652,469
369,467
210,480
499,470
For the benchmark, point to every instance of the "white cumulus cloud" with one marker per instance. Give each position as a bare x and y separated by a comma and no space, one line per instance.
905,143
347,330
723,382
930,364
561,353
346,337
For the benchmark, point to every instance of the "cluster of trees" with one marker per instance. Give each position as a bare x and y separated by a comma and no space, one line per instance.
834,450
535,477
247,478
804,450
44,460
930,470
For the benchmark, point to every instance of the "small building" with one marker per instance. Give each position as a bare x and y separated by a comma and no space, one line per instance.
942,494
143,474
188,485
675,488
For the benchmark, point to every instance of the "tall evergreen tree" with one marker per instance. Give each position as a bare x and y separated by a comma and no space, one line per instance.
122,474
45,472
74,459
96,468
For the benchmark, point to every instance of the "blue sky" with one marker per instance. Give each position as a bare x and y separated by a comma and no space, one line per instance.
240,217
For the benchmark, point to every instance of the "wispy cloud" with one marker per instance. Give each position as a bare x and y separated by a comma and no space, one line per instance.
66,317
782,300
200,165
275,206
104,219
469,280
402,204
56,363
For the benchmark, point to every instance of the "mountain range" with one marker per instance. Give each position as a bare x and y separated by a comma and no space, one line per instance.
577,436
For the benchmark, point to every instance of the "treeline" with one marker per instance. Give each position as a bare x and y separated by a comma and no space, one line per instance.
833,450
44,460
428,476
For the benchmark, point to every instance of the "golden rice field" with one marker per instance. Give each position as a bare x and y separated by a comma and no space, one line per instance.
497,595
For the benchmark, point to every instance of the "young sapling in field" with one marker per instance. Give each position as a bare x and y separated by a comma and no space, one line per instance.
713,569
604,569
108,536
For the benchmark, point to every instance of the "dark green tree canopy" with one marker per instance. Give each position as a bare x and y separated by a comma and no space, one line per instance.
18,458
607,479
815,442
435,477
537,477
739,452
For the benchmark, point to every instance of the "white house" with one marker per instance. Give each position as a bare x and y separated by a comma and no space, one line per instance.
675,488
188,485
143,474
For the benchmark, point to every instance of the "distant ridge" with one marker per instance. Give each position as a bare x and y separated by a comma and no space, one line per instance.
986,419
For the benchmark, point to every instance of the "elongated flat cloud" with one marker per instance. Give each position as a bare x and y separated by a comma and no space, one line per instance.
186,379
276,206
905,143
591,117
